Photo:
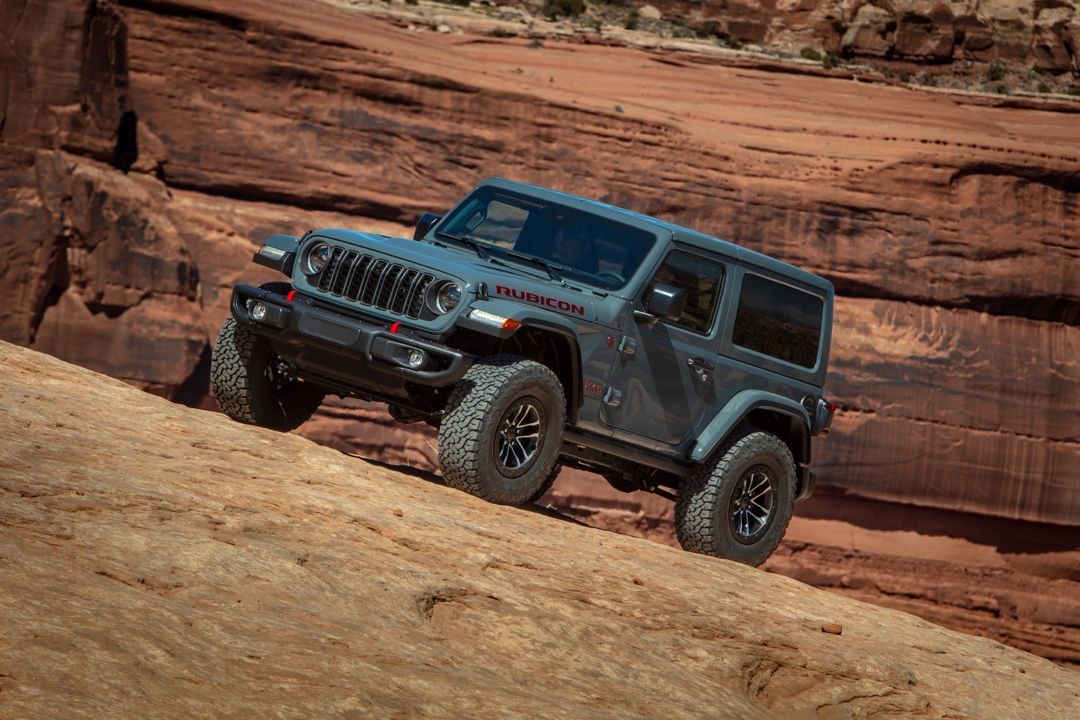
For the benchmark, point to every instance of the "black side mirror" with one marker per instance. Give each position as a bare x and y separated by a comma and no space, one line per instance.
425,223
666,301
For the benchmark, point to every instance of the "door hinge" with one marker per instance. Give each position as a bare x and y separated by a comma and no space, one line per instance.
612,397
627,345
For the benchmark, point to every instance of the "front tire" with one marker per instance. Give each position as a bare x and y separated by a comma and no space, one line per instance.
738,505
246,387
501,434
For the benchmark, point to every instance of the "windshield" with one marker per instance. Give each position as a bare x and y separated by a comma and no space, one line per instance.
576,245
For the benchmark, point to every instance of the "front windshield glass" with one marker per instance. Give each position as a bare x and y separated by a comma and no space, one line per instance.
579,246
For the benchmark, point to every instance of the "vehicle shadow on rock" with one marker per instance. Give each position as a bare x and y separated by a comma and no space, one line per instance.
419,473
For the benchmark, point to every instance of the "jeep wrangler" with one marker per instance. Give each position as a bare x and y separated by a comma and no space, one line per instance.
538,330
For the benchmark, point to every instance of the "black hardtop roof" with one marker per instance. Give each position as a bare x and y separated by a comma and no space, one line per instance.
678,232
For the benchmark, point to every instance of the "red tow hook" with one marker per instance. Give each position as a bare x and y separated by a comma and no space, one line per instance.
289,297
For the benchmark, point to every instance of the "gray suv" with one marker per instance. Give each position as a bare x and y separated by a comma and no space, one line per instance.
538,330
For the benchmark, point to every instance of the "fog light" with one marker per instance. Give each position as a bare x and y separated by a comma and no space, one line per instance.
258,311
415,359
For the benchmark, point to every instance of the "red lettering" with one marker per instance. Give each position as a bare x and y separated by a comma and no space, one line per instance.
540,299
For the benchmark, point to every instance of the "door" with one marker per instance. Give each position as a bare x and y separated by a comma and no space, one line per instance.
662,381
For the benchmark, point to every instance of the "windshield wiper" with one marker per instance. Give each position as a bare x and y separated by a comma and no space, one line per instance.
554,271
467,241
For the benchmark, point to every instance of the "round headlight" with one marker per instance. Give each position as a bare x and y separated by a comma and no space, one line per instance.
316,258
447,297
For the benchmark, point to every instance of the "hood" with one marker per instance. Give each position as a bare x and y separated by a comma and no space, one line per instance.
502,279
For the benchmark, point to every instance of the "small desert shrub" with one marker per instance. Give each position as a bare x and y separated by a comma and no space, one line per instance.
809,53
632,21
830,61
1045,87
563,8
995,72
708,29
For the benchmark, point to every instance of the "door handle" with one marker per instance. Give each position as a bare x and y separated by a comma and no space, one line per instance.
701,366
700,363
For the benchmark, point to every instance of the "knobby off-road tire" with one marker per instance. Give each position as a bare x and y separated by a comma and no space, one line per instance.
494,393
709,517
241,383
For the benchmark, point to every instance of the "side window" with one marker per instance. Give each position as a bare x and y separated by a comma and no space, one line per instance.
701,278
778,320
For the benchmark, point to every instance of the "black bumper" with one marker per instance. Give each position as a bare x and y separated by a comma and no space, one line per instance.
365,350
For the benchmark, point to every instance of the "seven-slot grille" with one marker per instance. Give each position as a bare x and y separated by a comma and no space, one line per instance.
376,283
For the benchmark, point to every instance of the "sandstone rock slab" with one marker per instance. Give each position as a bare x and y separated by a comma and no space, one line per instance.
202,567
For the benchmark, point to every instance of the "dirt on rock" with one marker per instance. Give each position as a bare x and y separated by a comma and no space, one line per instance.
161,561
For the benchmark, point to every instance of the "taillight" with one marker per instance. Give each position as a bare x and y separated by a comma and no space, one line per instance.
823,421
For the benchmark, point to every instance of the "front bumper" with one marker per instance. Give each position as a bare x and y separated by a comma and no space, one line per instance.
349,350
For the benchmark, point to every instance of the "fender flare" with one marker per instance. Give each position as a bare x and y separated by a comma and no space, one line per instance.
534,319
576,396
741,405
278,252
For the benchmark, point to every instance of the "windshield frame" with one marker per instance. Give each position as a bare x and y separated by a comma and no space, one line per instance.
442,231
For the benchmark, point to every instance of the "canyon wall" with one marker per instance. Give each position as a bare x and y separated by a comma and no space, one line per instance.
1043,34
147,146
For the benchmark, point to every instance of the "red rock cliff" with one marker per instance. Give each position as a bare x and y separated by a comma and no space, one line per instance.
147,144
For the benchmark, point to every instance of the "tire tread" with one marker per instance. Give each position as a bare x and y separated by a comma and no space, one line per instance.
472,401
698,507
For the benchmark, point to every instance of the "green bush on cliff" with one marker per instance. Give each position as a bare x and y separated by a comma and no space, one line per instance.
563,8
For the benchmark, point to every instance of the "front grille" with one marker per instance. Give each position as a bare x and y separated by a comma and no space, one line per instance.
376,283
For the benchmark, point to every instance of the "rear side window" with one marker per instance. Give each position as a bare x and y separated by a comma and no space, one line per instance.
778,320
702,279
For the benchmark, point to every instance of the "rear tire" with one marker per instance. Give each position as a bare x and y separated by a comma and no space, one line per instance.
738,505
243,382
502,431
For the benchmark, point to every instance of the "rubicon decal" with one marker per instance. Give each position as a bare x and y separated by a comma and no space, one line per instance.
540,299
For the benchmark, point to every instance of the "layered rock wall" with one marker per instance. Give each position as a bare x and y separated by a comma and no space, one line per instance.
948,223
1044,34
